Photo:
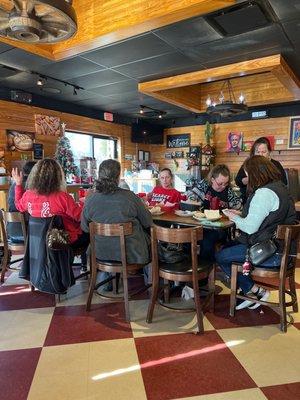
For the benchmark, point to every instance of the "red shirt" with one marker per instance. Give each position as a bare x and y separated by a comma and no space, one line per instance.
43,206
162,195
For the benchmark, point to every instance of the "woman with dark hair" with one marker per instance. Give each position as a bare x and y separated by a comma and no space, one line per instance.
110,204
46,196
165,194
215,192
268,205
261,147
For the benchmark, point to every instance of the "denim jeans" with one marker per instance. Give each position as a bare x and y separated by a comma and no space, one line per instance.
237,253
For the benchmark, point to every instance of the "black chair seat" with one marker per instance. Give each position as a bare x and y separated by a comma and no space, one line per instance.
108,262
185,266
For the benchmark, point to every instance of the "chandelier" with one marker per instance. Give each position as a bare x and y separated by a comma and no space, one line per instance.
226,107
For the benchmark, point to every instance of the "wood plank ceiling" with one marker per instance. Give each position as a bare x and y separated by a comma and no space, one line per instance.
104,22
264,80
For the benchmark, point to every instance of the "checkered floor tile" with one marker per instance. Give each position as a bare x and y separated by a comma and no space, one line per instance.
58,351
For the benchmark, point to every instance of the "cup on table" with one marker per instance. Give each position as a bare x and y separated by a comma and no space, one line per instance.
215,203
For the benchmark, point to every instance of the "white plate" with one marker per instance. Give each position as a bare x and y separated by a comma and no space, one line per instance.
203,219
199,219
185,213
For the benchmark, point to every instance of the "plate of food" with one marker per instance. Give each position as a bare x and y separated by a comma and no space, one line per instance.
212,215
199,216
156,210
185,213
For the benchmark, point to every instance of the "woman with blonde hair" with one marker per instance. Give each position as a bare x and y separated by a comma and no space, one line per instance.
46,196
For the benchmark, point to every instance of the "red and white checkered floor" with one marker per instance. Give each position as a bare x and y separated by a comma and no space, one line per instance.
59,351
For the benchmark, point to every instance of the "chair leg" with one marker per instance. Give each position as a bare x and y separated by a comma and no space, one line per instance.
4,266
116,281
199,312
91,287
126,296
282,307
293,290
154,294
233,287
166,291
211,288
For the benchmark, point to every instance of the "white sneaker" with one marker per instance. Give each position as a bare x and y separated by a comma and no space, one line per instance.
245,304
263,295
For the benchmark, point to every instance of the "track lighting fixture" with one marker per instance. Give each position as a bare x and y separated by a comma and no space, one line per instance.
43,79
151,112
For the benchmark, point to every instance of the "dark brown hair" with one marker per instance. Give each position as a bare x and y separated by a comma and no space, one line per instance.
108,176
261,140
168,170
217,170
261,171
46,177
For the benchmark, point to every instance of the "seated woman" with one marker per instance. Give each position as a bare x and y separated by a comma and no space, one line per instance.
165,195
261,147
268,206
46,196
215,192
110,204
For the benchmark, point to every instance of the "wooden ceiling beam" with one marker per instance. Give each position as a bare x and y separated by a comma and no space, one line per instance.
287,78
265,80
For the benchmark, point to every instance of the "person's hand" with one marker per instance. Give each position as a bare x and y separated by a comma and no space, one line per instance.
17,176
230,213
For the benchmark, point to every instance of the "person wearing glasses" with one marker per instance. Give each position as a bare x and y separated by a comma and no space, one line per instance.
214,193
261,147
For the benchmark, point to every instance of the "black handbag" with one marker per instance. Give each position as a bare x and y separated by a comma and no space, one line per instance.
170,253
260,252
57,239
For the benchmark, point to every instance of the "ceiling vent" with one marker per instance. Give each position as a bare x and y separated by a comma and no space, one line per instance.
242,18
34,21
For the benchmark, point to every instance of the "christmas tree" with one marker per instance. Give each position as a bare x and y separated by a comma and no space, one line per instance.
64,156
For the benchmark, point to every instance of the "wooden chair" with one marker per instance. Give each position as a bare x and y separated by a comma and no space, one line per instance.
190,270
9,245
114,267
288,234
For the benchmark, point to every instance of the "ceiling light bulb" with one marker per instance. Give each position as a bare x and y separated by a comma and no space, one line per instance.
221,98
214,104
40,82
160,116
208,101
241,98
141,111
74,91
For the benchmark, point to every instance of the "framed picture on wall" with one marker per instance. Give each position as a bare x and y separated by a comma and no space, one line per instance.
294,136
19,140
147,156
141,155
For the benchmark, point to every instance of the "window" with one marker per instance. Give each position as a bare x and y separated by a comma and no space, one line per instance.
81,145
99,147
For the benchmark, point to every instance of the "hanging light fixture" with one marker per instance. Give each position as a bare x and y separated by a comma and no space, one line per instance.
227,107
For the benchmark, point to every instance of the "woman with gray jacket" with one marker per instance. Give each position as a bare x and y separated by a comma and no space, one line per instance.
110,204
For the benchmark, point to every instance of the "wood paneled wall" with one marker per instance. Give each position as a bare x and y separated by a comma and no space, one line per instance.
21,117
277,127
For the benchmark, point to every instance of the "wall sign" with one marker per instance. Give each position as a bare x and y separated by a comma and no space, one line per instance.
176,141
38,151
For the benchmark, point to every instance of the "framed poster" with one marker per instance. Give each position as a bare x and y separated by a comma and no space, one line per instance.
234,142
147,156
19,141
38,151
46,125
177,141
294,136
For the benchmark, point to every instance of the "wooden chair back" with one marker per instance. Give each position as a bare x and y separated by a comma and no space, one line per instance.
110,230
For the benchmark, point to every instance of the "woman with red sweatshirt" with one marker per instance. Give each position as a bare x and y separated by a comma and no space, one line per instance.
46,196
165,195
